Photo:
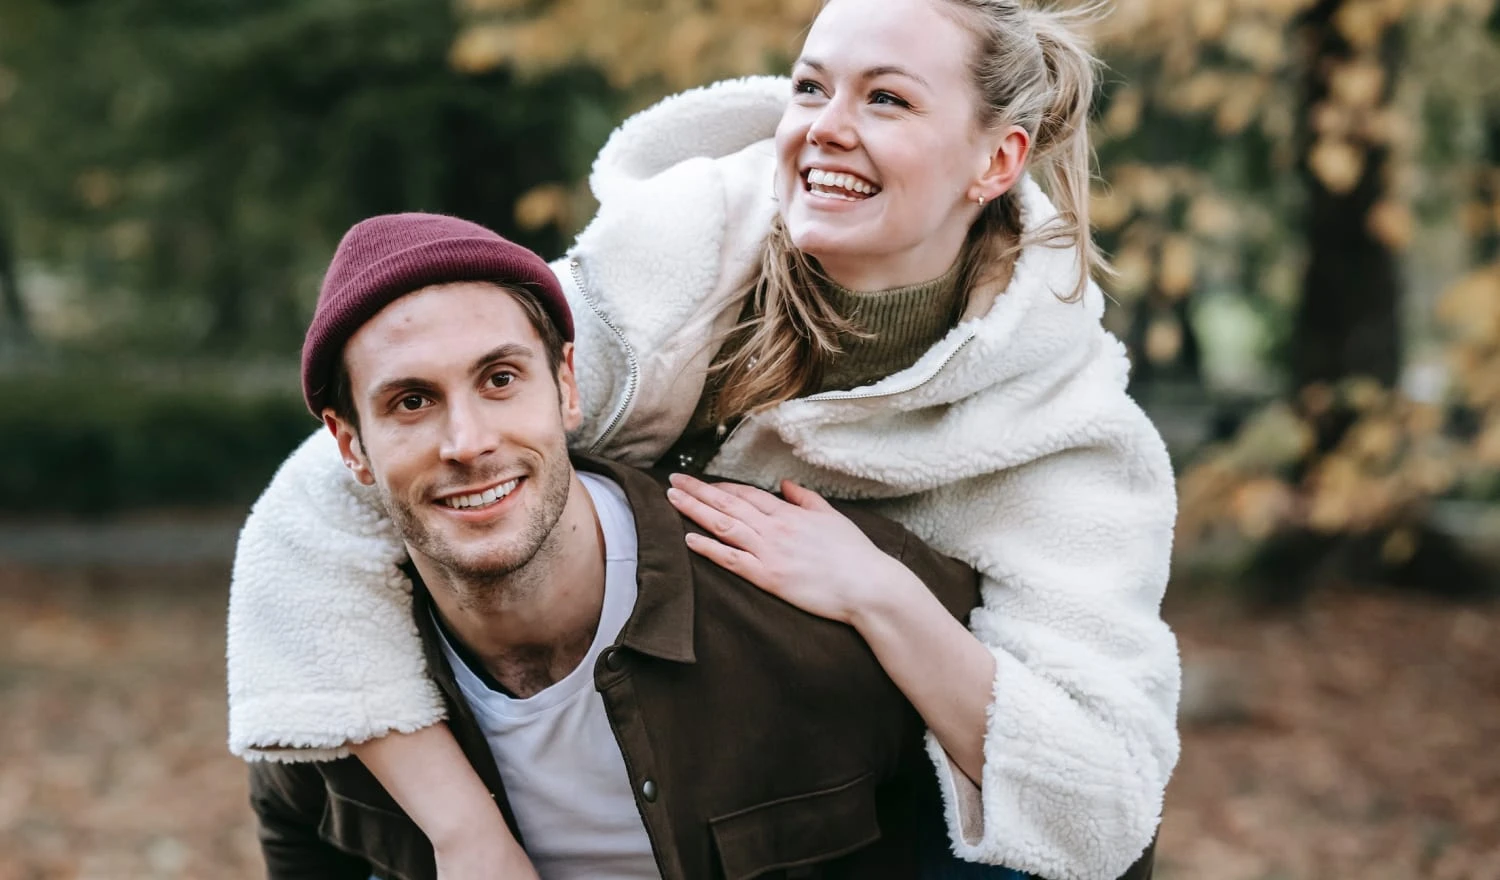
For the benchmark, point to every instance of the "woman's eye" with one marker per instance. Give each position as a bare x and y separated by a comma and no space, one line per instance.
501,380
887,98
806,87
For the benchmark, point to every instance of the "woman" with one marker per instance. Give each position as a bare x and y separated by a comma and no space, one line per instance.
849,282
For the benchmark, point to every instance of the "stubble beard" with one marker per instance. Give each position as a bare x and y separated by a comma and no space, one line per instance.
496,576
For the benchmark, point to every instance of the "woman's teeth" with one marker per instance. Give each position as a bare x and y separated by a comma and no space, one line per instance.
839,186
482,499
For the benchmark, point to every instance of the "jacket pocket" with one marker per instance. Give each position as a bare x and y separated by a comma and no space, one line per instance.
797,832
391,842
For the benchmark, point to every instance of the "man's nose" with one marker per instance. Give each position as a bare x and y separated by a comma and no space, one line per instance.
468,435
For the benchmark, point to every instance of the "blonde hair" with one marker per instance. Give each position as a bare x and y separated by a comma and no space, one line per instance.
1032,68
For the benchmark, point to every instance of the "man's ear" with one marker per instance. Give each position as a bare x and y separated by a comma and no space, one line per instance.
1005,165
349,447
567,390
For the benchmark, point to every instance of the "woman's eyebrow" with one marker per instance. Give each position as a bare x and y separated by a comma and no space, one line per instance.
869,72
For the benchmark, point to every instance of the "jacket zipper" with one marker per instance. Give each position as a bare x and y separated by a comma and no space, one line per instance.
634,380
864,395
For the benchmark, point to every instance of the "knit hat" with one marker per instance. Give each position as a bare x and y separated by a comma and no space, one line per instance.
384,258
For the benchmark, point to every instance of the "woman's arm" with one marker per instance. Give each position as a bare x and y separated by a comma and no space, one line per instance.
323,653
946,673
429,777
1077,688
322,648
806,552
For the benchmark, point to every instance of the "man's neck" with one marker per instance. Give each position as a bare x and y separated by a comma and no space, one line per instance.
534,626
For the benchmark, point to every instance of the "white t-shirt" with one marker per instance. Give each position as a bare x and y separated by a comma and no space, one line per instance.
562,767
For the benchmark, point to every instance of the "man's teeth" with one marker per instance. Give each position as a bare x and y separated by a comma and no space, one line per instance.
817,177
482,499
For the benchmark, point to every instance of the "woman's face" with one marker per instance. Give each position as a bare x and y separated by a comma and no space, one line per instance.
879,153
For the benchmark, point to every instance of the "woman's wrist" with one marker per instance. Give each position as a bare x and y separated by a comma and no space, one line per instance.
885,600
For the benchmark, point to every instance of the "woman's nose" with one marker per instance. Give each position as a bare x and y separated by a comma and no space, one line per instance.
833,127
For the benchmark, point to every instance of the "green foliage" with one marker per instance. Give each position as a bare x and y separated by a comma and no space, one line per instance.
190,166
89,443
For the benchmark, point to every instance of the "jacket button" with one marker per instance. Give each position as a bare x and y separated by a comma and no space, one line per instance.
613,660
648,791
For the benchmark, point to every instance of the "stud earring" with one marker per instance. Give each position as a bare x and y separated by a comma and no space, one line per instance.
980,200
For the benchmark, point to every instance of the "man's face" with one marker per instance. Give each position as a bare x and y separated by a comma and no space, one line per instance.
462,426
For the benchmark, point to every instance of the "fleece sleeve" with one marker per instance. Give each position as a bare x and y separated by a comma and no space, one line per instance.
322,649
1082,736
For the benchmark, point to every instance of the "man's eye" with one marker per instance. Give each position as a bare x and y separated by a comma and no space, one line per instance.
502,379
411,402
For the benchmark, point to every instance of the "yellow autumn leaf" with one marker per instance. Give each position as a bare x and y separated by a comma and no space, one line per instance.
1108,208
542,206
1212,217
1364,394
1239,108
480,48
1260,506
1258,42
1209,18
1331,120
1132,272
1337,164
1178,267
1392,224
1163,339
1470,308
1361,22
1357,84
1124,113
1374,442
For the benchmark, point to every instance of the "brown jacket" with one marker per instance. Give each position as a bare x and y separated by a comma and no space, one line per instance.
761,741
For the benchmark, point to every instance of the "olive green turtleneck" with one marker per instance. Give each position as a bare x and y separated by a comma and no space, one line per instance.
901,325
898,326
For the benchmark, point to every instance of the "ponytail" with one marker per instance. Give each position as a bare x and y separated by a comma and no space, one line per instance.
1034,68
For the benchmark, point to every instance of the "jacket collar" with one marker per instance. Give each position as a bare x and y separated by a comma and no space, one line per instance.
662,623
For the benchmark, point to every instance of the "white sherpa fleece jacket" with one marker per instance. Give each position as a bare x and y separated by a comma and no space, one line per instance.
1010,445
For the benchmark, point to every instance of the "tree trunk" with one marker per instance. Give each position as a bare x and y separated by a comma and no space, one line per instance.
1346,323
14,323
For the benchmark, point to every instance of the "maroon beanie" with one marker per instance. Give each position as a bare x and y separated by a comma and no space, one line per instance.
384,258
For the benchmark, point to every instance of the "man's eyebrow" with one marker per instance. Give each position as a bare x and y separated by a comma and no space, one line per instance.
505,351
869,72
405,383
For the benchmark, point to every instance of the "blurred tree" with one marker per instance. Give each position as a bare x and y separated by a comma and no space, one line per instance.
1346,322
194,163
14,328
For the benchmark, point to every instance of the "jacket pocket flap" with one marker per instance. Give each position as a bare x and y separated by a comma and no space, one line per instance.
797,831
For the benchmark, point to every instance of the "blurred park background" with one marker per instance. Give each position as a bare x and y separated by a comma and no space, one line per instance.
1301,197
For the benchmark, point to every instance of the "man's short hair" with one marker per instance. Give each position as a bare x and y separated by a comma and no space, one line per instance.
341,391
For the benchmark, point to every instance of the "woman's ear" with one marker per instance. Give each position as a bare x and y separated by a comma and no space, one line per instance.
1005,164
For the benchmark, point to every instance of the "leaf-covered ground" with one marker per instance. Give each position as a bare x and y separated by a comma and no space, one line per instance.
1356,738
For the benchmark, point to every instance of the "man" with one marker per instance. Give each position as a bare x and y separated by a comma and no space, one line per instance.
630,705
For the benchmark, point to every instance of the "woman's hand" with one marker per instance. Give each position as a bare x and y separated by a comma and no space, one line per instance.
801,549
